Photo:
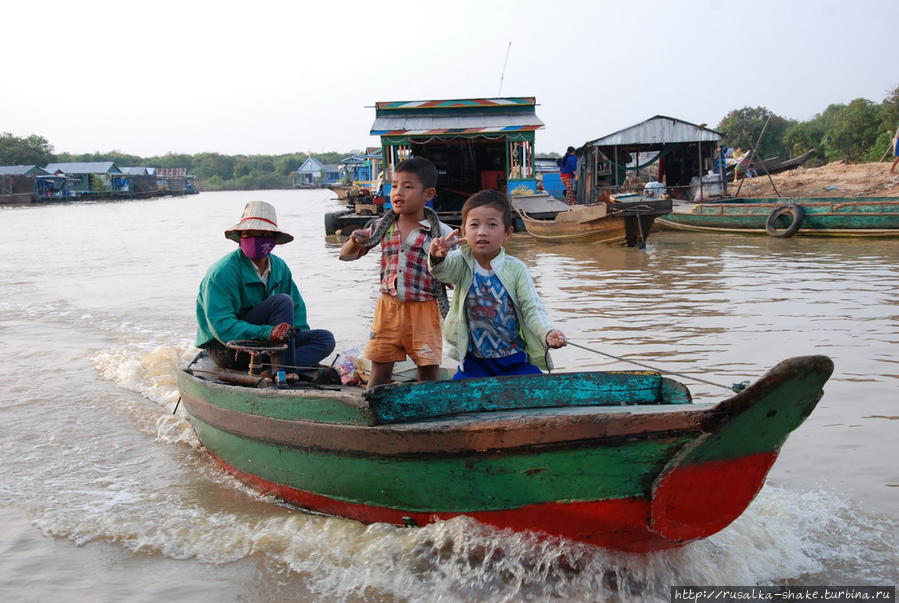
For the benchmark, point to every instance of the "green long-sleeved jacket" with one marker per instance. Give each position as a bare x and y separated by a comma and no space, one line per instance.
534,324
231,287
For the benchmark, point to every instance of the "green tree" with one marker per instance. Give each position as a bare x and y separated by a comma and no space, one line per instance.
33,150
853,134
741,128
889,111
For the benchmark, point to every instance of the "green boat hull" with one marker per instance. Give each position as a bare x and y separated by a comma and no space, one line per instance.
631,472
858,217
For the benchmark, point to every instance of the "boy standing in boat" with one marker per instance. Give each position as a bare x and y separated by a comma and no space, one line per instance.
408,313
250,295
497,324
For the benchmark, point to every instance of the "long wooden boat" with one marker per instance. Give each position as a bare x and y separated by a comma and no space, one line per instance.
341,190
607,222
781,217
623,460
773,165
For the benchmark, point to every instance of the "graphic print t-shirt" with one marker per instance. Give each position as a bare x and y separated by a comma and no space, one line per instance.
492,322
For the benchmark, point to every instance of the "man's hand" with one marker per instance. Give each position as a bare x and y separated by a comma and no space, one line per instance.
281,332
555,339
442,245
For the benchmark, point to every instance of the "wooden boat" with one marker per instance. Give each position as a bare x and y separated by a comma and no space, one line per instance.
341,190
772,165
623,460
857,217
627,220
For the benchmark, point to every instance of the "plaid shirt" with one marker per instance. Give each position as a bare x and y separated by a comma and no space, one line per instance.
404,264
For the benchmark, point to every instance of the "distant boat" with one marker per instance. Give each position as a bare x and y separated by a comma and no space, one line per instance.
623,460
784,217
628,220
772,165
341,190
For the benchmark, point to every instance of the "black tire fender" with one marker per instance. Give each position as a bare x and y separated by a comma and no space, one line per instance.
795,211
330,223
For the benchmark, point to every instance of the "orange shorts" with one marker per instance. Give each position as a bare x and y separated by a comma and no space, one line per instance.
405,328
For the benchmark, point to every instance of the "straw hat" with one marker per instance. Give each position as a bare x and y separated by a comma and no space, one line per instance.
258,215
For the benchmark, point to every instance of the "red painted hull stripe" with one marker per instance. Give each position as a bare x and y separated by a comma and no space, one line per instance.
628,524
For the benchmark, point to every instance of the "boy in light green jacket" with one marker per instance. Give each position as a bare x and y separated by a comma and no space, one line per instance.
496,324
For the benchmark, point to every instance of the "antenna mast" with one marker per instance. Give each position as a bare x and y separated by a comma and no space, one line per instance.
503,74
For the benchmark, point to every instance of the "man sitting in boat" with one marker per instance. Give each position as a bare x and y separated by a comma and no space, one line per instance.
250,294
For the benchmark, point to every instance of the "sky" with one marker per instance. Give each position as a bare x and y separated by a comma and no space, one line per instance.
273,77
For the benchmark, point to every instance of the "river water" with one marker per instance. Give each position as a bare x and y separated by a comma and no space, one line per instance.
105,495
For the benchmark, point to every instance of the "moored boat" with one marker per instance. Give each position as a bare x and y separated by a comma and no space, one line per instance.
623,460
784,217
628,220
341,190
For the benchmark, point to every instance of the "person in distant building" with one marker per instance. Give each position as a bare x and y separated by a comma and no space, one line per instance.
567,172
250,294
895,151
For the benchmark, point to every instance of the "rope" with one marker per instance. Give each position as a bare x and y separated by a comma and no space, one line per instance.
736,387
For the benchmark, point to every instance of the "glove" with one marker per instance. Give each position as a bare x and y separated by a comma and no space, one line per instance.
281,332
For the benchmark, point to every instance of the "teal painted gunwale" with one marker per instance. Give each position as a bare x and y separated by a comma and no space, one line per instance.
459,483
395,403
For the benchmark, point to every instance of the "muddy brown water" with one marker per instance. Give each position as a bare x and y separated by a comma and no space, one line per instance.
105,495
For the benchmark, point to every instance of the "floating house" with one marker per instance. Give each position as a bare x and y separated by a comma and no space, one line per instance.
475,144
315,174
174,181
362,170
17,182
91,178
140,181
682,151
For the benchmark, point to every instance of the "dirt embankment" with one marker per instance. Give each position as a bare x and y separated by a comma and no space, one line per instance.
832,180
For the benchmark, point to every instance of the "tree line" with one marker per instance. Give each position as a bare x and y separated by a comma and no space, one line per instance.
860,131
213,171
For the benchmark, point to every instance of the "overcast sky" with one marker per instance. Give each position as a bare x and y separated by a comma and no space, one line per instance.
276,77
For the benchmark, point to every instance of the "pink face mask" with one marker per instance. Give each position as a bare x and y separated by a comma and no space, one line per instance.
257,248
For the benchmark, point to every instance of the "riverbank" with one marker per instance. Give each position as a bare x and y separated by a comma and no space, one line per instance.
835,179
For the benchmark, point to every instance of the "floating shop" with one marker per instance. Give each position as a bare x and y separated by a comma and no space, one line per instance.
476,144
678,154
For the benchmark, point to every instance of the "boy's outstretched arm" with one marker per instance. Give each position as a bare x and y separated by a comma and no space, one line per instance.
352,247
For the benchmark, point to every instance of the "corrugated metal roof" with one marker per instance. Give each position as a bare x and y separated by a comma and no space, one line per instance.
134,171
22,170
84,167
311,165
658,130
172,172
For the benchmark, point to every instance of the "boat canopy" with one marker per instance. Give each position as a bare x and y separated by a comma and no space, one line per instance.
455,117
